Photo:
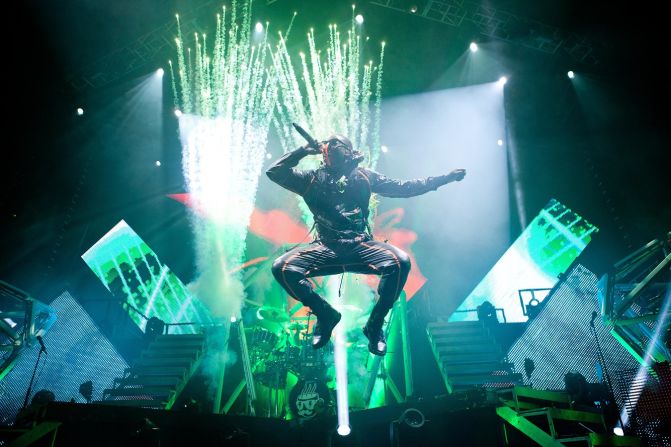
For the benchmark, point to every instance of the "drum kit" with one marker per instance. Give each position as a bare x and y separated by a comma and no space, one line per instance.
280,345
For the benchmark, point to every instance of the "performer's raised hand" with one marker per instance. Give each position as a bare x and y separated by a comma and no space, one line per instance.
456,176
311,150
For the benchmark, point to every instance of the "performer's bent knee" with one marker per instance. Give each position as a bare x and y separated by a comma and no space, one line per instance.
285,271
278,265
404,261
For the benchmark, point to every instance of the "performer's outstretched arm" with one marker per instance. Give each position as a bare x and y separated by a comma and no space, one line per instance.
409,188
283,173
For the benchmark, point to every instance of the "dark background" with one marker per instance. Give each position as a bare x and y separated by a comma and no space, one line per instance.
66,180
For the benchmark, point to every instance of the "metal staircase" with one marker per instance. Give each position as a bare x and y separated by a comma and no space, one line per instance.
160,374
547,419
469,356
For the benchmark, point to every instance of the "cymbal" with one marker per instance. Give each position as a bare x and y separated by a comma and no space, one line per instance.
298,325
273,314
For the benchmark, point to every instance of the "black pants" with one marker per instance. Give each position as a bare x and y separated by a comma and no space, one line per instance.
319,259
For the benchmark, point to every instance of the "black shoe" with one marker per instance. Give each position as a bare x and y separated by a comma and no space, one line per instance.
377,344
324,326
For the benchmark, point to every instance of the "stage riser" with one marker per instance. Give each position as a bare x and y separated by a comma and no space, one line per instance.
102,425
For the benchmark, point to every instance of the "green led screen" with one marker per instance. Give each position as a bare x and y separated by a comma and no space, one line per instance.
545,249
147,288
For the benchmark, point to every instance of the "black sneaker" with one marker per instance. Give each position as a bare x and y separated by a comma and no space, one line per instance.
377,344
324,326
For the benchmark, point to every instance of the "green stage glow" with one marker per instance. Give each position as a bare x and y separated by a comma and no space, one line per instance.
130,269
227,95
544,250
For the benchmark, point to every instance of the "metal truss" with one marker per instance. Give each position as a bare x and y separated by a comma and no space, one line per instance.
501,25
145,50
490,22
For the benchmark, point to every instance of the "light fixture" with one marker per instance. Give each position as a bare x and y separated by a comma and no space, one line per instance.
344,430
86,390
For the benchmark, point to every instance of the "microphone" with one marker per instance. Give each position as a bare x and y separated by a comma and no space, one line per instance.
311,141
44,348
594,314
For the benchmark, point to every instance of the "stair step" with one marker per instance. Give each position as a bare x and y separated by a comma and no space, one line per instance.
480,379
477,368
468,349
541,398
565,414
165,353
469,357
182,338
152,392
191,345
149,381
146,403
188,345
458,331
479,339
455,324
184,362
156,371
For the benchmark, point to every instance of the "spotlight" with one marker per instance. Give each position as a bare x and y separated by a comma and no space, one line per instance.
499,142
487,313
160,72
158,163
259,27
384,148
344,430
617,431
233,319
86,390
529,367
80,111
178,113
412,417
570,74
474,47
358,19
43,397
154,327
502,80
413,9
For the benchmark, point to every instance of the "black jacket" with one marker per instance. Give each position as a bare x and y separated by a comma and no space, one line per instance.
340,205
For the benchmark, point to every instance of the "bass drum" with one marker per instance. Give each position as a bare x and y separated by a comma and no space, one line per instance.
309,398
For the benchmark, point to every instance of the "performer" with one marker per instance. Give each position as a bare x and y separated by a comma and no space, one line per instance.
338,195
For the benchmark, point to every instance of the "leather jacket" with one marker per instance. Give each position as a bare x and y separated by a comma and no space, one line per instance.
340,203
